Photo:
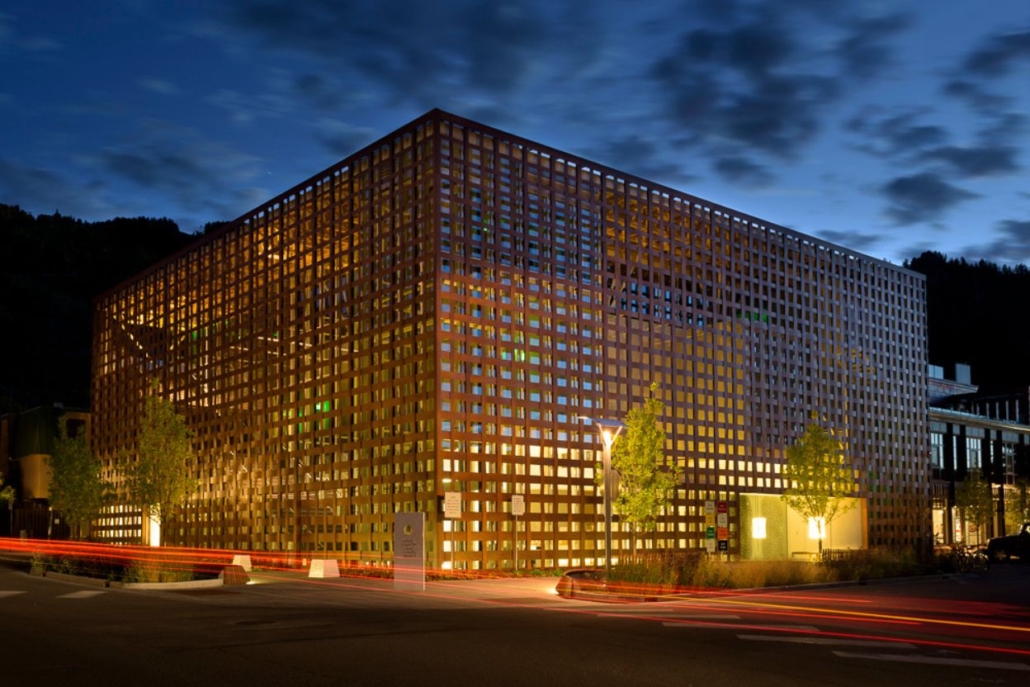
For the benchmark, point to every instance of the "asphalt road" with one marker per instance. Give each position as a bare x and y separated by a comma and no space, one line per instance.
287,630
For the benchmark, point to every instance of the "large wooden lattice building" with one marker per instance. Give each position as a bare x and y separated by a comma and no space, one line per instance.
437,313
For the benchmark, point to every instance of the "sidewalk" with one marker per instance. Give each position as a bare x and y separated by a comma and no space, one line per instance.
511,590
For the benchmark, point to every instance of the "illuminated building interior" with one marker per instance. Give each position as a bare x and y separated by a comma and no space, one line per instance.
436,312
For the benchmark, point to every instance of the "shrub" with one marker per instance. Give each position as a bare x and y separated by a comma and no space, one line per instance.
149,570
40,564
664,572
875,563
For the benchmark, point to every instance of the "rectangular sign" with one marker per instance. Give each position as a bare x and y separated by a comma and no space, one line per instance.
452,505
518,505
710,545
722,520
722,533
709,507
724,545
710,533
710,520
409,552
722,507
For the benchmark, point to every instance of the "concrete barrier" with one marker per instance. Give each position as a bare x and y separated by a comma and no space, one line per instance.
242,560
234,575
328,567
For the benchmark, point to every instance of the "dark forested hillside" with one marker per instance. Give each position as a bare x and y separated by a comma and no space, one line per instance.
51,267
977,314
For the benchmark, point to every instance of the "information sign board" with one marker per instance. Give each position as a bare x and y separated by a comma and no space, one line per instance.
409,557
452,505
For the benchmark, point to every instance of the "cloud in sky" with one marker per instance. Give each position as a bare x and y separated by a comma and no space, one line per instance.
896,135
999,54
976,161
1012,244
741,102
919,197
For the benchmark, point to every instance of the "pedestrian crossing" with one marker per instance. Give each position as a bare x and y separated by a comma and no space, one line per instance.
84,594
900,652
935,660
842,647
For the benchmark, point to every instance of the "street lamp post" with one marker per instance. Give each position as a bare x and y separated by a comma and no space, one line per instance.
609,431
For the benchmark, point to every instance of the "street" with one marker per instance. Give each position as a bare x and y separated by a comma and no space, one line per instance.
289,630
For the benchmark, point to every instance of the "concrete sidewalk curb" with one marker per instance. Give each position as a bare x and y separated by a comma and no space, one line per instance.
171,586
144,586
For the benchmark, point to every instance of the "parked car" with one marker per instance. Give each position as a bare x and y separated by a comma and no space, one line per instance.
1004,548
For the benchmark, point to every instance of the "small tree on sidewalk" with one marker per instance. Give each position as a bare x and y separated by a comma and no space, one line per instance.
975,499
7,496
1017,504
819,482
77,489
638,456
160,480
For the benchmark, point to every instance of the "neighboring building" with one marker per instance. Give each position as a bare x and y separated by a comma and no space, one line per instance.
989,435
438,312
26,443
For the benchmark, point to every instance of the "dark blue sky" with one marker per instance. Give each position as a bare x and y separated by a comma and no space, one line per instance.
891,127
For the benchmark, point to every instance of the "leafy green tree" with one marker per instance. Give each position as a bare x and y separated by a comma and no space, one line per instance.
7,496
638,456
975,498
1017,504
160,480
77,487
820,483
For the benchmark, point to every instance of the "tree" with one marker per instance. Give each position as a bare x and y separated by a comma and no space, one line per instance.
638,456
819,481
1017,499
7,496
1017,504
77,489
975,498
160,479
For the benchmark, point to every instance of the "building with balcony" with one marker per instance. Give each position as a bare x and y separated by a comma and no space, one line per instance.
438,312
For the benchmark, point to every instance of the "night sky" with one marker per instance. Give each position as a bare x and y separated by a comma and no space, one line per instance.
891,127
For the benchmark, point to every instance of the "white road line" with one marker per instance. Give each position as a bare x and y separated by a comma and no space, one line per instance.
80,595
929,660
802,628
3,594
827,640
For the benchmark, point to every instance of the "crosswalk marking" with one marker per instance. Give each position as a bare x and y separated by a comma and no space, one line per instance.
827,640
4,594
80,595
705,621
930,660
